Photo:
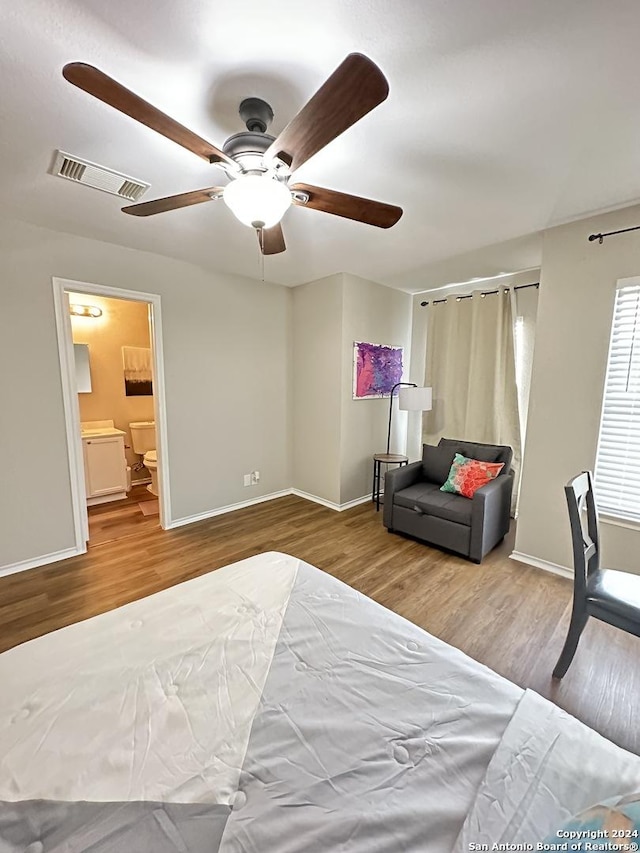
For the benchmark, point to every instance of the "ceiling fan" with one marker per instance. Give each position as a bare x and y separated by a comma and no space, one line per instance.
258,165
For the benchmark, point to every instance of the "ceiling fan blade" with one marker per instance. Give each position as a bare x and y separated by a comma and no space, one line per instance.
98,84
271,240
172,202
349,206
353,90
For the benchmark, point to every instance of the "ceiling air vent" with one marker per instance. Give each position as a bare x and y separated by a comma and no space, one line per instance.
98,177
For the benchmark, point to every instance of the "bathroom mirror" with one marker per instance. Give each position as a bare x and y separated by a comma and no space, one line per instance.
83,373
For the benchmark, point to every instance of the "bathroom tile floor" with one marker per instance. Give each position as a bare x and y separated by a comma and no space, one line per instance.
137,513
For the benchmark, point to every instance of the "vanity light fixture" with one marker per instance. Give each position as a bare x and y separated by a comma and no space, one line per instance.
85,310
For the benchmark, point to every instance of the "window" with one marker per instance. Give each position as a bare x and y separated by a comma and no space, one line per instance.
617,473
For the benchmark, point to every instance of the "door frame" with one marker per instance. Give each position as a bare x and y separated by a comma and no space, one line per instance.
72,407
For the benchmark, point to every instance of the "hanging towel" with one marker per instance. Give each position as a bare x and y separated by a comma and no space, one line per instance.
137,364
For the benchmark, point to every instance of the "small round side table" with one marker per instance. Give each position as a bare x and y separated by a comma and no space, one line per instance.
380,459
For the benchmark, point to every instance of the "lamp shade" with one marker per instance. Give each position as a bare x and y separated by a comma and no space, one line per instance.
415,399
256,200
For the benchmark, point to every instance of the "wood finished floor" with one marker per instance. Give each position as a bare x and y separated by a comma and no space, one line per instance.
507,615
117,519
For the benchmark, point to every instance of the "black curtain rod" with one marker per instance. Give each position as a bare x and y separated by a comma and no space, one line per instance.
483,293
600,237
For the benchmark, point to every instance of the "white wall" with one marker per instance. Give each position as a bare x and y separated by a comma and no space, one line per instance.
316,375
335,436
378,314
575,308
227,348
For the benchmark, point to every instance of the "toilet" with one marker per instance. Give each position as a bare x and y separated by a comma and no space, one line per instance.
143,441
150,460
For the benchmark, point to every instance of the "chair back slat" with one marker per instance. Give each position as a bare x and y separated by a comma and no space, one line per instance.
585,539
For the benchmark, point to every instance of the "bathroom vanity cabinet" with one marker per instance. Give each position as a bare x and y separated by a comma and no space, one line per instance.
105,468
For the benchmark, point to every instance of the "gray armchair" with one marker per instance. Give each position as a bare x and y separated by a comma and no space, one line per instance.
414,504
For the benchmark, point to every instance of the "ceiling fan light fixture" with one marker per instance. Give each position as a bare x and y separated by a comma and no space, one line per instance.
257,200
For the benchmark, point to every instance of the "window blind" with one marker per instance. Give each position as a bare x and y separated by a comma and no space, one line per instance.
617,474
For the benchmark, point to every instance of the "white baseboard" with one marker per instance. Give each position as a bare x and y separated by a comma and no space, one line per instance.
329,504
554,568
202,516
190,519
43,560
355,502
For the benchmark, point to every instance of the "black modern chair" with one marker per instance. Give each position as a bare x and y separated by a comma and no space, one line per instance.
609,595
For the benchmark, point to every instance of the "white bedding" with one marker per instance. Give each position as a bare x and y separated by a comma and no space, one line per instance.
547,768
277,709
152,701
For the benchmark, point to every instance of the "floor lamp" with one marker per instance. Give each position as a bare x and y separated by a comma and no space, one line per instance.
410,399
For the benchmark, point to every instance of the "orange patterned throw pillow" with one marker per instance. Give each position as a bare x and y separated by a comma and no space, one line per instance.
468,475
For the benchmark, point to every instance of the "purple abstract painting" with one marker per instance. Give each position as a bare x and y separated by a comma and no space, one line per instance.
376,369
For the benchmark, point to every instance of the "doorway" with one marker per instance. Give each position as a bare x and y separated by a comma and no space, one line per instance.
119,334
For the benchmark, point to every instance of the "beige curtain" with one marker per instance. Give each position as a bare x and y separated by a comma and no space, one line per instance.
470,365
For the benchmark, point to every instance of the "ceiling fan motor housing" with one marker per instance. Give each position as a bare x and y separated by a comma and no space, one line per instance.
248,147
247,142
247,150
256,114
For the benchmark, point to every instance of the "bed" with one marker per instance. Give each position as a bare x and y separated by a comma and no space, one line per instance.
267,706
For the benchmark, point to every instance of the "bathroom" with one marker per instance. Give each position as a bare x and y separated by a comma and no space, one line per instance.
112,349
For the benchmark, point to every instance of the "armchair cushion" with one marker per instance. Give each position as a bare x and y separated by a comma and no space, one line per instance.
468,475
476,450
436,463
427,498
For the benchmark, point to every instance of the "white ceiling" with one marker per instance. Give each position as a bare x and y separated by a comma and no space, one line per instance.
504,117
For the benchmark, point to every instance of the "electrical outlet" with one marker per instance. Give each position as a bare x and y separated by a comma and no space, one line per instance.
247,479
255,478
